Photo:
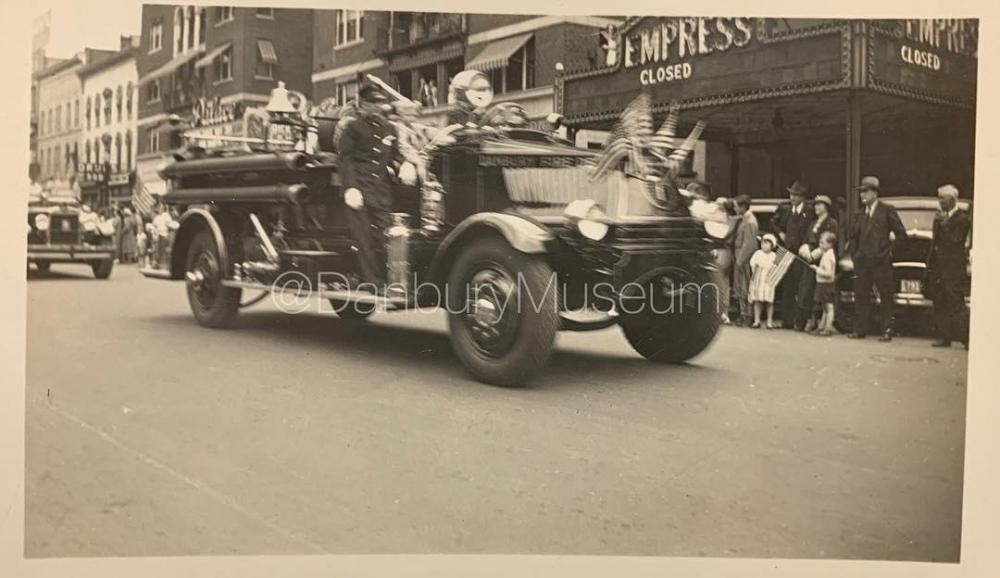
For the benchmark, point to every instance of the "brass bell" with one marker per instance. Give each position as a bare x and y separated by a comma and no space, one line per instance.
279,102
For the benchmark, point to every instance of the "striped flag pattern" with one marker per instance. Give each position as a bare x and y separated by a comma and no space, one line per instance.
627,139
784,259
142,199
666,136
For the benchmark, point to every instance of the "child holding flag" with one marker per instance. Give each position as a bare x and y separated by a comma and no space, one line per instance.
761,290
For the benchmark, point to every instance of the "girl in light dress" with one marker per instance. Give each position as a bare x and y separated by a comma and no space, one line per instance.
761,292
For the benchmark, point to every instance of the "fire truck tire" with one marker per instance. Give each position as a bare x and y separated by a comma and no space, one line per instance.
102,269
212,304
352,311
502,311
675,337
43,266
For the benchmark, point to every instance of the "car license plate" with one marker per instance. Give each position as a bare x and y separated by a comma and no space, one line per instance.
910,286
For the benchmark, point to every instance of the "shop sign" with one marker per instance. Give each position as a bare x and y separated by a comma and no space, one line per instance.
954,35
665,46
208,112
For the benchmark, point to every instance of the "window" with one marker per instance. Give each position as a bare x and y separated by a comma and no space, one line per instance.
128,99
86,151
265,13
156,36
346,92
224,66
192,33
201,26
519,74
97,150
404,83
119,98
128,150
348,27
58,118
266,59
427,88
224,14
153,142
178,30
153,91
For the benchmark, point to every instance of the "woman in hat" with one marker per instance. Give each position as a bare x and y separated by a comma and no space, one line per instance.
762,292
810,252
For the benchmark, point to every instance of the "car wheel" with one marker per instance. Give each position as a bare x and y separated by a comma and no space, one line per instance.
43,266
677,317
213,304
352,311
102,269
502,311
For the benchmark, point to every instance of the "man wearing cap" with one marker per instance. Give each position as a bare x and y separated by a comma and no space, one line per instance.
870,247
791,224
367,144
810,252
946,270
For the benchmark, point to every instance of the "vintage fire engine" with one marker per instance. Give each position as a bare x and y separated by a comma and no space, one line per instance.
507,228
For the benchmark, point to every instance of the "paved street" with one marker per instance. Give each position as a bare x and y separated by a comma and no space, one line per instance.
149,435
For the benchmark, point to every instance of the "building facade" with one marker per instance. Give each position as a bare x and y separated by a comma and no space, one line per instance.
819,101
201,67
419,53
58,126
107,149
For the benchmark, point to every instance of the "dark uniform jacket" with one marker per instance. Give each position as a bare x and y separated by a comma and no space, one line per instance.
869,239
367,145
795,226
948,254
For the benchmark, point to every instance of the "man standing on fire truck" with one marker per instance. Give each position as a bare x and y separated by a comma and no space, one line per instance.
367,145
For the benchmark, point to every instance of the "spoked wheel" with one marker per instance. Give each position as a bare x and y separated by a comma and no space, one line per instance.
213,304
676,316
102,269
502,312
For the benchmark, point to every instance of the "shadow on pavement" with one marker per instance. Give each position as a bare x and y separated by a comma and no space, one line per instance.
429,349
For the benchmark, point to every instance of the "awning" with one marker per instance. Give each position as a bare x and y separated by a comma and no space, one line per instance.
425,57
496,54
170,67
267,53
212,55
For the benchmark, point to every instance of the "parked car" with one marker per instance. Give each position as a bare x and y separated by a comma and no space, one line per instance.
509,217
909,264
61,231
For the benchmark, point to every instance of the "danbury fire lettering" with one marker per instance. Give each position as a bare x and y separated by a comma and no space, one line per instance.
680,38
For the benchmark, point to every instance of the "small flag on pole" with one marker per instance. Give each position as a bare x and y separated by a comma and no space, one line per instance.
784,259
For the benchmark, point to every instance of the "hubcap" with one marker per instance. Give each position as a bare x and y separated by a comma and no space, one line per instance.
491,310
202,278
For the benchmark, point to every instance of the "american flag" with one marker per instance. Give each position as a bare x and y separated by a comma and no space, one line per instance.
142,199
627,139
784,259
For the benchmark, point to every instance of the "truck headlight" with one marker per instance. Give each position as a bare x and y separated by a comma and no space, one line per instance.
42,222
589,218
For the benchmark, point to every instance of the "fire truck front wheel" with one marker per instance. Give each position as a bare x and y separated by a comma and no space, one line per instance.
102,269
212,304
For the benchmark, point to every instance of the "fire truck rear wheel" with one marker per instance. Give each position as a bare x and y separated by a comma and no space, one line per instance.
102,269
681,332
502,311
212,304
43,266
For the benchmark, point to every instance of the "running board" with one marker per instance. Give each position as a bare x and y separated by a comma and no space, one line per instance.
387,303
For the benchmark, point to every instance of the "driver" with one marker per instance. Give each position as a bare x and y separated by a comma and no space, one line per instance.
368,147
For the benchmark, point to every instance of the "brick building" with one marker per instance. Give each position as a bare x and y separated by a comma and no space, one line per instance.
207,65
107,149
419,52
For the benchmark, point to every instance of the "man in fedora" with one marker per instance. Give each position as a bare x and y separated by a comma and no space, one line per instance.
946,269
791,225
870,246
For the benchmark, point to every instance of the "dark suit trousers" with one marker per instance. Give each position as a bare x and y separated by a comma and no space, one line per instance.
879,276
790,293
950,314
806,303
368,226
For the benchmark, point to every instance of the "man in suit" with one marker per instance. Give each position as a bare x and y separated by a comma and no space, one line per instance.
791,224
870,246
946,267
810,252
744,246
368,147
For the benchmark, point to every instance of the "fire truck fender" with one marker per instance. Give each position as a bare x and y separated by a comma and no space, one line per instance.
521,233
191,223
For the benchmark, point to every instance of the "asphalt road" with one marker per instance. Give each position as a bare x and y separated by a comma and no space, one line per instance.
149,435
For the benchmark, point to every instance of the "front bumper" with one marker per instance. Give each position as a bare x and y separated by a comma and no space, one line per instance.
69,253
902,299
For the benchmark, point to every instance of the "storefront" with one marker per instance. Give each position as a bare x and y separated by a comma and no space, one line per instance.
102,186
821,101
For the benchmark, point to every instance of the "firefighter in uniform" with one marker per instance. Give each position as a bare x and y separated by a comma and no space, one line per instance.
367,145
